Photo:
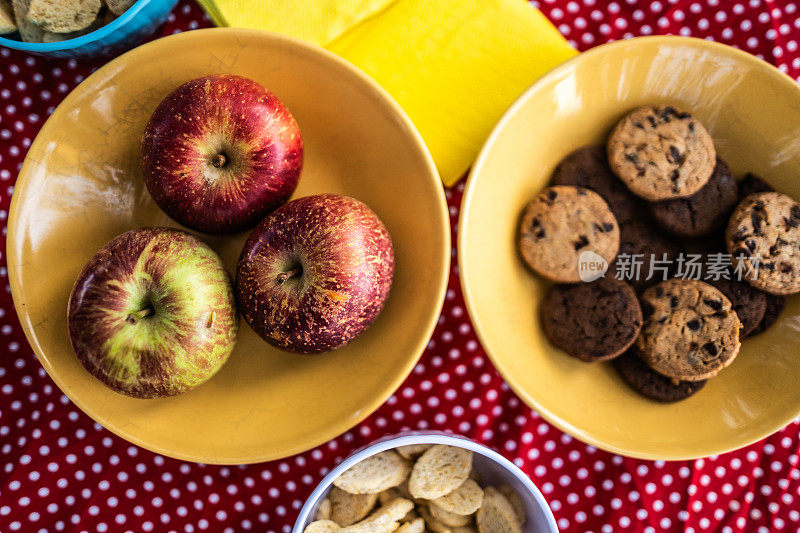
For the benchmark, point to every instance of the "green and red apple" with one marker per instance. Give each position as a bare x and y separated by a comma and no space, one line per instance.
315,273
221,152
153,313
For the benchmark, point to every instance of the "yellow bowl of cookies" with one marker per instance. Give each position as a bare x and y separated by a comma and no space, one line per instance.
629,247
426,481
79,28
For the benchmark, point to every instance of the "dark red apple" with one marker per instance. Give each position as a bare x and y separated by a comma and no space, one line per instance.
153,313
315,273
220,153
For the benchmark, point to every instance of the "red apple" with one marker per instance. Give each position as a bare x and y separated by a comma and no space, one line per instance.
153,314
315,273
220,153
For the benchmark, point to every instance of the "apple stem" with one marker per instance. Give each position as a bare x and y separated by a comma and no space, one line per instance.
284,276
133,318
219,160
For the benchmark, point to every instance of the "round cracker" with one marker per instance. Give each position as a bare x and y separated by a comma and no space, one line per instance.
412,451
374,474
447,518
63,16
384,519
439,471
516,502
496,515
465,500
433,524
347,509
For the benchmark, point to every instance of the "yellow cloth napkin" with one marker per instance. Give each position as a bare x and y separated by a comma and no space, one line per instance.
454,67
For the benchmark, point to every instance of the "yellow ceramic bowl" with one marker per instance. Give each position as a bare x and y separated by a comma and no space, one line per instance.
753,112
81,185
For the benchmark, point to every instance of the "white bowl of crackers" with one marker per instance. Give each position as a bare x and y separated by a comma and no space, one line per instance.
421,482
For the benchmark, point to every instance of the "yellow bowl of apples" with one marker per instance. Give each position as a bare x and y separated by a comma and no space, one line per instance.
124,152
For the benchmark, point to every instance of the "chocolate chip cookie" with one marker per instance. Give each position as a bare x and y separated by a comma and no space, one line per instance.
661,152
690,330
650,383
752,184
774,307
562,223
702,213
763,236
642,249
588,167
592,321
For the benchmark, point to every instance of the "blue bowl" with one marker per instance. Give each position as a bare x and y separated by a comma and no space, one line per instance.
138,22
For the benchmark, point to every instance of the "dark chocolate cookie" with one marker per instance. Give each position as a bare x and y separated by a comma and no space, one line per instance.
592,321
702,213
640,243
588,167
650,383
774,307
751,184
749,303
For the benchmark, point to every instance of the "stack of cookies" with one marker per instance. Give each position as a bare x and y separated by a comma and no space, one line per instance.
48,21
415,489
656,191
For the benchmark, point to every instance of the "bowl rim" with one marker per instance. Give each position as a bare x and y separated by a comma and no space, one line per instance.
469,192
82,40
337,427
420,437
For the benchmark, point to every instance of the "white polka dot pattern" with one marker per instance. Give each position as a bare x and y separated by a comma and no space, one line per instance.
62,472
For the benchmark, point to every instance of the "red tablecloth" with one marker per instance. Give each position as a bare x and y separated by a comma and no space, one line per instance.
61,472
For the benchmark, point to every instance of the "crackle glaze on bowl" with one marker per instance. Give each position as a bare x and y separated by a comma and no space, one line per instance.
81,185
753,112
